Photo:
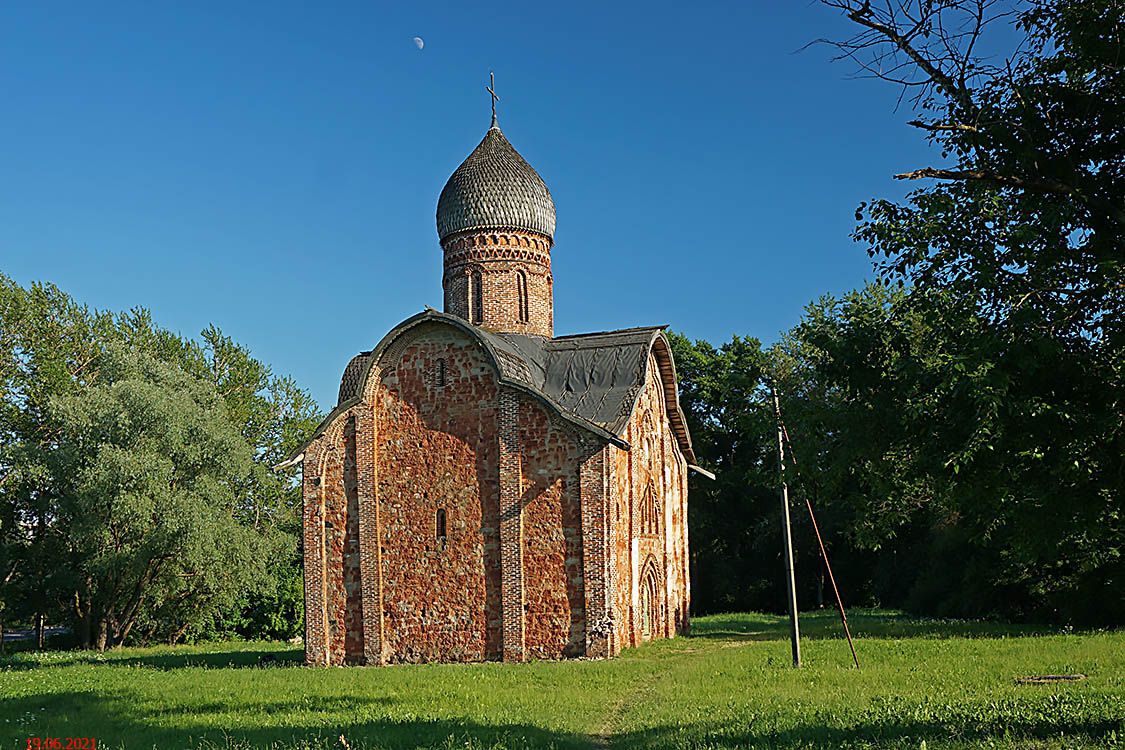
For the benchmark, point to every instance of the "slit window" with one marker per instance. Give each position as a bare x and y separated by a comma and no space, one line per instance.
440,528
476,297
521,289
439,374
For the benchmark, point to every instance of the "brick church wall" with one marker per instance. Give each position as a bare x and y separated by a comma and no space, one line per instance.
427,437
621,498
436,449
552,534
653,465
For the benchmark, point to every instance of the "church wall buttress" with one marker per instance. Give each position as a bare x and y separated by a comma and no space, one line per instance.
334,539
316,620
597,559
513,603
333,579
370,565
622,544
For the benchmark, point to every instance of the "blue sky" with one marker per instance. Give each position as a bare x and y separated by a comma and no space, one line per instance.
273,168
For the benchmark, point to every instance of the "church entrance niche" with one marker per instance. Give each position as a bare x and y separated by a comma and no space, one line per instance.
650,601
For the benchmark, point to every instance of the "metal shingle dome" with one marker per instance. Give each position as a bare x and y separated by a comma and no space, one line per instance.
495,189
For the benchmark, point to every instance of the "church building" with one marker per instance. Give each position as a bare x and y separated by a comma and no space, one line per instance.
485,489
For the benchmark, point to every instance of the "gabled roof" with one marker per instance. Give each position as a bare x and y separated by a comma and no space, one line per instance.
592,380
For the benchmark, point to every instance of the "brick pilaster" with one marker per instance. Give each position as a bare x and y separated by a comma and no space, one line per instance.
511,529
595,557
369,535
316,617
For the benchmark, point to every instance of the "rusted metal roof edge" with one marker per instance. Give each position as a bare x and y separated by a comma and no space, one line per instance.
667,365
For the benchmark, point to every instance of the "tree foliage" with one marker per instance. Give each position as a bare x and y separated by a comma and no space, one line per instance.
962,423
136,495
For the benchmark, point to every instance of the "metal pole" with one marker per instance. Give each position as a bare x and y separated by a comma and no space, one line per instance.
787,537
823,551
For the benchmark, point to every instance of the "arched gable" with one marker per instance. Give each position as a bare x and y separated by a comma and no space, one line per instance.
661,350
508,361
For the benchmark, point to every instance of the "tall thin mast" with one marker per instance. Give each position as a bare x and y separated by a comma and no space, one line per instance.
787,538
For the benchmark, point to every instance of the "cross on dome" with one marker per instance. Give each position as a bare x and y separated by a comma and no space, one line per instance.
490,88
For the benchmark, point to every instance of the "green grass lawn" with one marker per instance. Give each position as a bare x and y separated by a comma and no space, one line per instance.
931,684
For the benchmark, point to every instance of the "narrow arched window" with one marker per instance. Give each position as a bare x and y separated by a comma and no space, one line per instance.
521,289
439,374
440,528
649,512
476,297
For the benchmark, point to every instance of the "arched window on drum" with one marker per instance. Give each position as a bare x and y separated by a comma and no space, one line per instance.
521,293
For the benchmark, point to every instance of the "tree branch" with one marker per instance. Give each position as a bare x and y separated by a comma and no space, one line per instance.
863,16
1115,213
940,126
1044,186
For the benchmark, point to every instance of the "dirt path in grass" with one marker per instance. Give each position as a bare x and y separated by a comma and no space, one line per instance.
602,738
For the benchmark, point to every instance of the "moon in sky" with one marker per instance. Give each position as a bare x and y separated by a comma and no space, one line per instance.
419,42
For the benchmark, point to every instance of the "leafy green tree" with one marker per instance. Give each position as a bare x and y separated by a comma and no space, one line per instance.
82,391
734,520
1014,264
151,472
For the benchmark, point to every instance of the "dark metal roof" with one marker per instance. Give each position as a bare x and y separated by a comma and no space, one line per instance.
349,383
495,189
596,376
592,380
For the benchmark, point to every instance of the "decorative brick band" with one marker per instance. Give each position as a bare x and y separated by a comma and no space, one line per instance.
477,255
512,603
500,238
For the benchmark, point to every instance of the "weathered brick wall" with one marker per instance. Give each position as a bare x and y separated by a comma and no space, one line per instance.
334,619
436,448
649,505
543,524
497,258
598,576
551,454
621,544
353,606
313,544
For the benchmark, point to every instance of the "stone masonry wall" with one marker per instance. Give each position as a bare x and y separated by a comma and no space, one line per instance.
436,449
554,604
649,498
334,617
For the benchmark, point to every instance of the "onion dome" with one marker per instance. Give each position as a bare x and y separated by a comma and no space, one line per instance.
495,189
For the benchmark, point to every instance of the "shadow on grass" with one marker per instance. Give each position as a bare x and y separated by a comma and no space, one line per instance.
224,659
117,721
882,733
863,624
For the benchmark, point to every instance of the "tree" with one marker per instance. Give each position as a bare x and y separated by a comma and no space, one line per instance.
1013,264
150,474
89,494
